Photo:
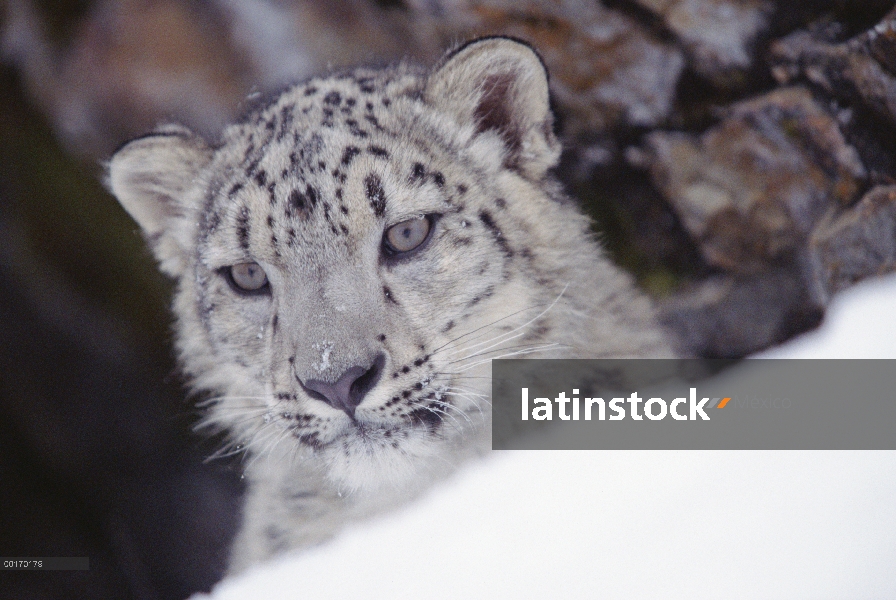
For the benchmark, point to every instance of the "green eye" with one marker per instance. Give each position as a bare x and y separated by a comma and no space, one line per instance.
407,235
248,277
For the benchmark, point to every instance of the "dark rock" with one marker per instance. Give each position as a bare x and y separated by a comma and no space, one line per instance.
859,243
860,70
731,316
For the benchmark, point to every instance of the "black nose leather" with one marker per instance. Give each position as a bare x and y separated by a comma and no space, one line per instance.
347,392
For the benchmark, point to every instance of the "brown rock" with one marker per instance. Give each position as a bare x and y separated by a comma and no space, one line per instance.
718,35
881,42
750,189
858,243
132,64
860,70
606,69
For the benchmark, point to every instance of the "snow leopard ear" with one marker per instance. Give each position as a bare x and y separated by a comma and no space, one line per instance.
501,85
153,176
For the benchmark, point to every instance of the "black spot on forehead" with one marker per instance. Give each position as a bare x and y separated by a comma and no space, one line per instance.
310,91
349,154
253,164
355,129
312,193
308,148
250,152
373,121
378,151
242,228
418,173
333,98
296,204
286,120
302,203
375,194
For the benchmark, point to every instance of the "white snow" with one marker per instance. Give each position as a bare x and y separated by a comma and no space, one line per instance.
628,524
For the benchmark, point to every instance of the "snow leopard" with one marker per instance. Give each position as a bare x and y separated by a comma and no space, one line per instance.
350,256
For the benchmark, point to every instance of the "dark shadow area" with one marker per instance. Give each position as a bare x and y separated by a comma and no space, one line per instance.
96,454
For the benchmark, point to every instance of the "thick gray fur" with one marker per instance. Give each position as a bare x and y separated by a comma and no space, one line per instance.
305,186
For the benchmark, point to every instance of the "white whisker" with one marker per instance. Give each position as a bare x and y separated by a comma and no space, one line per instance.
486,326
520,327
509,354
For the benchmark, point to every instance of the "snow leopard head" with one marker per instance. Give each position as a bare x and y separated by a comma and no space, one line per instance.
355,250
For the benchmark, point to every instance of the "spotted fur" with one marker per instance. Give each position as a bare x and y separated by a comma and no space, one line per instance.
306,185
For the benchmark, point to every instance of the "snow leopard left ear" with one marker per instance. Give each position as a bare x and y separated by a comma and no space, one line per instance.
501,85
153,177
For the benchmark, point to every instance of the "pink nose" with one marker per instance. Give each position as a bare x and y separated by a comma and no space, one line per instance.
347,392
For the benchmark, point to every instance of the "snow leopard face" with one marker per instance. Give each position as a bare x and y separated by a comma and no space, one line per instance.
354,252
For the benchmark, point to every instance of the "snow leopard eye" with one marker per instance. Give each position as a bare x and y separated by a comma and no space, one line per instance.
407,235
248,277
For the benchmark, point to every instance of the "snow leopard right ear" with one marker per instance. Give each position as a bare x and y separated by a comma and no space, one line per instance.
500,85
152,177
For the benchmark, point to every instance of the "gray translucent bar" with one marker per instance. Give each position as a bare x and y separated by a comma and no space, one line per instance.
772,404
53,563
